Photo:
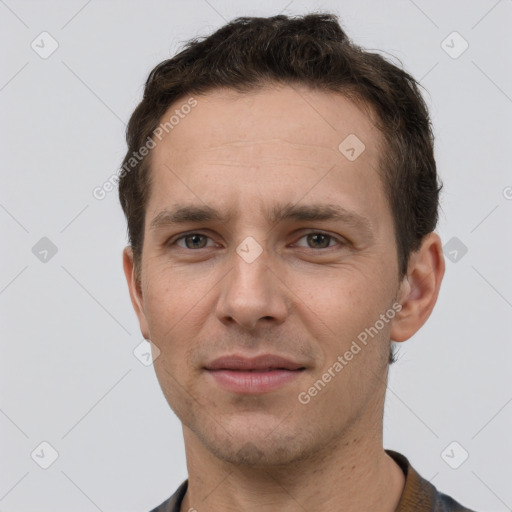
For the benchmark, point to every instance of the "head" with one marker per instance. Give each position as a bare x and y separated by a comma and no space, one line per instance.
281,194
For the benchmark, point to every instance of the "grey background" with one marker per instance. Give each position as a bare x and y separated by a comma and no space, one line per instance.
69,375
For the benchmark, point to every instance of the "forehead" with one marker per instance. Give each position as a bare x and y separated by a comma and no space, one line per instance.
277,143
312,120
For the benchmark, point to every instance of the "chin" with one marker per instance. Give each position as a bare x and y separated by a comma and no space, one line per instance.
254,447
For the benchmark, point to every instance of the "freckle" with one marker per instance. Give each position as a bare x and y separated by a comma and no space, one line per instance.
353,467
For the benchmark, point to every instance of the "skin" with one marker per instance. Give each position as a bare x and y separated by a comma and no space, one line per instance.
303,298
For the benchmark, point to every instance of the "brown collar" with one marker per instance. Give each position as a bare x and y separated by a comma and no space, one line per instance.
418,493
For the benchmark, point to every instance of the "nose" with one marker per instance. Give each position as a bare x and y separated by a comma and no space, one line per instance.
252,294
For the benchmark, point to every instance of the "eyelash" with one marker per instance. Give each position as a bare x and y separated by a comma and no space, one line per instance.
340,241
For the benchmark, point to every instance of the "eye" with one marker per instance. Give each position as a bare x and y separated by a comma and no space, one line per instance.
319,240
192,241
314,240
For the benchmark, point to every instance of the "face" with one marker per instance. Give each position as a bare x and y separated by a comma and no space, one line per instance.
274,272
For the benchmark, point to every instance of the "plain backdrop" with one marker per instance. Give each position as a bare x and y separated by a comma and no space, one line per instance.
73,371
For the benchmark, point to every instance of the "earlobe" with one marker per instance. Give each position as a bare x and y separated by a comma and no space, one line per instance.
419,289
135,289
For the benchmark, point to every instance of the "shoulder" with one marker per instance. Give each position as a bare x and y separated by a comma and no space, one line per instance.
419,495
445,503
173,504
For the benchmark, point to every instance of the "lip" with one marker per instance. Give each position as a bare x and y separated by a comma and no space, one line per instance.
253,381
256,375
262,362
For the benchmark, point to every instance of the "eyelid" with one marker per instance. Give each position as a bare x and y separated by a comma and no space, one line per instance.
341,241
181,236
309,231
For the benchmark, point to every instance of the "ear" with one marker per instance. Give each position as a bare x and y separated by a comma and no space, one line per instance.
419,289
135,289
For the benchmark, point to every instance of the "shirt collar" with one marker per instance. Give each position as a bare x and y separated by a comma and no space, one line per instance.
418,494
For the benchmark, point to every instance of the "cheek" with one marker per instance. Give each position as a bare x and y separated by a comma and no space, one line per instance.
170,294
177,308
337,313
343,326
344,299
164,305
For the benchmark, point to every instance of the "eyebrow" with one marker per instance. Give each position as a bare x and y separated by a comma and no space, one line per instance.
183,214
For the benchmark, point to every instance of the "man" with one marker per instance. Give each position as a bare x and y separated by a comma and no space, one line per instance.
281,195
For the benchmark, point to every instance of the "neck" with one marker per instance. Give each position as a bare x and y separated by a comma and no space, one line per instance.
352,474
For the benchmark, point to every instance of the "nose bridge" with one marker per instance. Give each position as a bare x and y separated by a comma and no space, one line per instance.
251,290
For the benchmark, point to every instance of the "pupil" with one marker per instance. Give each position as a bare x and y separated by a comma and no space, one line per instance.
317,235
315,238
194,238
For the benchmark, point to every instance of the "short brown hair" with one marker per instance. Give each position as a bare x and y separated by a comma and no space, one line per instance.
251,52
